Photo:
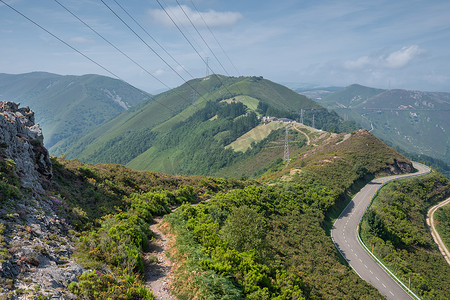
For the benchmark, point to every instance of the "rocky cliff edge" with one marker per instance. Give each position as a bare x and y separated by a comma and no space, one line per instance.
35,244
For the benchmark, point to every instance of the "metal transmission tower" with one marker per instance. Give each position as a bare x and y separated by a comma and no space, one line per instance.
286,146
207,65
313,122
301,116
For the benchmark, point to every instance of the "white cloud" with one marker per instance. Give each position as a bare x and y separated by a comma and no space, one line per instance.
80,40
402,57
394,60
212,18
159,72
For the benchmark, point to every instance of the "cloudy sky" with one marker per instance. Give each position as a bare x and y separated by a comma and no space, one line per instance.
385,44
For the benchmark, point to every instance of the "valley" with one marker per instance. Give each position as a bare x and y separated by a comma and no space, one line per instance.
415,122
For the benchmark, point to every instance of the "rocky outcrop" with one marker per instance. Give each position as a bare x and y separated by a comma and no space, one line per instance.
22,141
400,167
35,245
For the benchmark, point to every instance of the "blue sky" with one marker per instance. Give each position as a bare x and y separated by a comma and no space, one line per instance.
385,44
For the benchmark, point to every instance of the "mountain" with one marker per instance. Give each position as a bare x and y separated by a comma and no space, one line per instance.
70,230
68,107
317,92
414,121
175,135
349,96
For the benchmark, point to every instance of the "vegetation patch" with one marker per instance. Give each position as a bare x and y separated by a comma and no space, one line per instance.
394,227
9,181
262,242
112,208
442,218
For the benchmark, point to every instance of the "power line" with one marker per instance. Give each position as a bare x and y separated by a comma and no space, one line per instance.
153,50
213,35
110,43
115,47
153,39
76,50
193,25
62,41
190,43
207,45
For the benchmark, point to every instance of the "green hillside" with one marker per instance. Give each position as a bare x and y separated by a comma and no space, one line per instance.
414,121
68,107
167,133
395,226
251,239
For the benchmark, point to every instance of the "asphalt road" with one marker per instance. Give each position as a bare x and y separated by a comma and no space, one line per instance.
345,236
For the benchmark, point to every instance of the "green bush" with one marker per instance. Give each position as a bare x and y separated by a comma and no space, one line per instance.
98,286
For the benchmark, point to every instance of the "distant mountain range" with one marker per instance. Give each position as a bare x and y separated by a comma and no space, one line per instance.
415,121
68,107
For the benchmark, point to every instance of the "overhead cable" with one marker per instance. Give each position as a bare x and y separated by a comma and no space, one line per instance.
153,50
214,36
76,50
114,46
153,39
62,41
190,43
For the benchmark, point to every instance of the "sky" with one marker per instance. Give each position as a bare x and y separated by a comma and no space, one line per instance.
384,44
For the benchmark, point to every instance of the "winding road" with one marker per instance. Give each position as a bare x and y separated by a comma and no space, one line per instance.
435,233
345,236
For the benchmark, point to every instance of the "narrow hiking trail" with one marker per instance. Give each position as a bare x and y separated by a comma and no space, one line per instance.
157,265
308,141
434,232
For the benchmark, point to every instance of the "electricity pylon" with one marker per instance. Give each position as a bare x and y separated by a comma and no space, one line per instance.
286,146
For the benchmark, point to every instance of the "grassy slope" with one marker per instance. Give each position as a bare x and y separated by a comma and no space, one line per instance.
335,156
299,240
255,135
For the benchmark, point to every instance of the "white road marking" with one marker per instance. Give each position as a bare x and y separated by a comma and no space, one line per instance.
383,285
365,266
391,293
371,272
377,278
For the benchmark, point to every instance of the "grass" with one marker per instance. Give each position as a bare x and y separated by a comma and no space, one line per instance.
250,102
255,135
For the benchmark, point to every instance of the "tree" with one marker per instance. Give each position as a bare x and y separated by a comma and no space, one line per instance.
244,229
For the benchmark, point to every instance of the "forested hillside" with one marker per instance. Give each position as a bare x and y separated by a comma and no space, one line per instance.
144,136
396,229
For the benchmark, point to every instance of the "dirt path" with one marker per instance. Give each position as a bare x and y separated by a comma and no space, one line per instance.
157,273
434,233
308,141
